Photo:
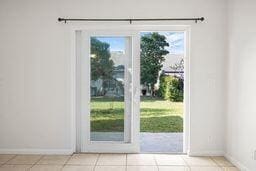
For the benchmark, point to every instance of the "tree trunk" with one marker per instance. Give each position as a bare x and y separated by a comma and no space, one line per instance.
153,94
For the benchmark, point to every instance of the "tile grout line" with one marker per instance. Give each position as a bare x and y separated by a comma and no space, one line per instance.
67,161
187,165
36,162
94,167
214,161
8,160
156,161
221,167
218,165
126,162
210,157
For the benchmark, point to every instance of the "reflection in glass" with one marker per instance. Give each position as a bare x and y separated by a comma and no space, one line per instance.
107,88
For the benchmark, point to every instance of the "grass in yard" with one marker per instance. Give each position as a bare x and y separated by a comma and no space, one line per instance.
157,115
107,114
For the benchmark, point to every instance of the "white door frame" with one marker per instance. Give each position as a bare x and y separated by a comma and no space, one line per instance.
76,82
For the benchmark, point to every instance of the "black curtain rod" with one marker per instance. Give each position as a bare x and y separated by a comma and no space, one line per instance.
131,19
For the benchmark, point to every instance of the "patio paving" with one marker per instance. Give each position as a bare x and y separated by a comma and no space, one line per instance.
161,142
149,142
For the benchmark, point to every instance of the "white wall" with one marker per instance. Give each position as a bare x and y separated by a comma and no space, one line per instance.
35,73
241,118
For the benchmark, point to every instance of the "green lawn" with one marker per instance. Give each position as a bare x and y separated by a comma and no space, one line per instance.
156,115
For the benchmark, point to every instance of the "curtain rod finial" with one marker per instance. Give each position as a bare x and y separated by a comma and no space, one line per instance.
61,19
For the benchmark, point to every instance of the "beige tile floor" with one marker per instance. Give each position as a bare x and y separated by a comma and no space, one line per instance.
113,162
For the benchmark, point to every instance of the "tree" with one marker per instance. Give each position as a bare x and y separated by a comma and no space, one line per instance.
101,65
152,58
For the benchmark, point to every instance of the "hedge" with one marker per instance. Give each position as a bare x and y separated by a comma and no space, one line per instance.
163,90
171,88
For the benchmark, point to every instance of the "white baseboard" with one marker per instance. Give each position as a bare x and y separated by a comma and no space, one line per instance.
37,151
237,163
206,153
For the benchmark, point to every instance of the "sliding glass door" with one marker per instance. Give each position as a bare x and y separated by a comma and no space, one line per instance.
110,121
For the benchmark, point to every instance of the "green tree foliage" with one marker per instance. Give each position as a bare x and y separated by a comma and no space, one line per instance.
152,57
176,89
164,87
101,65
171,88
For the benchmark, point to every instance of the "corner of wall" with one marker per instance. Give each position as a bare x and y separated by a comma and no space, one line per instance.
237,163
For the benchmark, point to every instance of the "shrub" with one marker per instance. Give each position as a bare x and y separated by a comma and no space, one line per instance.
171,88
176,89
164,90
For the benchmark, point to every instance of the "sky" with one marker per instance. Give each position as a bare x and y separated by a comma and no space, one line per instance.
116,43
175,40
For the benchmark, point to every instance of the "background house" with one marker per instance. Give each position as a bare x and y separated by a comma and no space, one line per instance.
115,86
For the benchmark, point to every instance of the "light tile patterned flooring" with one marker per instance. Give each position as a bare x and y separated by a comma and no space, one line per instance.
113,162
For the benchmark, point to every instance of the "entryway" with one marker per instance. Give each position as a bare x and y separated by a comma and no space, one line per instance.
162,91
109,93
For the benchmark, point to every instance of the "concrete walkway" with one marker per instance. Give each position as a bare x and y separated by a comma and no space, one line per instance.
149,142
161,142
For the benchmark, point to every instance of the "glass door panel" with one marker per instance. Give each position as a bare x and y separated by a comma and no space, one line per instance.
109,87
110,91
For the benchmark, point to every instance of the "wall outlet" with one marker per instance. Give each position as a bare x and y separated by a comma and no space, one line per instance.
254,155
